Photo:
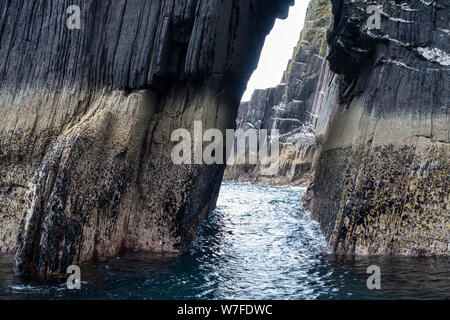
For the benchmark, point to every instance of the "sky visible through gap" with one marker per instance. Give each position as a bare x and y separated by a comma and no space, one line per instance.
278,49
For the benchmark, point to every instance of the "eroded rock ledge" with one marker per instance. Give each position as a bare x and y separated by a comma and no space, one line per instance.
87,114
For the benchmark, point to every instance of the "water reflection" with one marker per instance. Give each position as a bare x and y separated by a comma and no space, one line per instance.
257,244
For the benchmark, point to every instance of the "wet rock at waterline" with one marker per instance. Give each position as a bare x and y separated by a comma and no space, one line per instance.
87,114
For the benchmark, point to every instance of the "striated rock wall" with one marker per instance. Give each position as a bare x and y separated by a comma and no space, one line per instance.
86,117
379,110
381,173
291,106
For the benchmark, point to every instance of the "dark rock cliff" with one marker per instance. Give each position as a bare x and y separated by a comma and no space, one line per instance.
86,117
379,111
381,174
290,107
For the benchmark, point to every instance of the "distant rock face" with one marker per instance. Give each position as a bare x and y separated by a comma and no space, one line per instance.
290,107
85,167
381,174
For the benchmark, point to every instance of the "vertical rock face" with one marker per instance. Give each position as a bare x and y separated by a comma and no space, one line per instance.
381,173
289,107
86,118
379,111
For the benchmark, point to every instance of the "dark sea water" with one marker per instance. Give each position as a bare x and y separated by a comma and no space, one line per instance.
257,244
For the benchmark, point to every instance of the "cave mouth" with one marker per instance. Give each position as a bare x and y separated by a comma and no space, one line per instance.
277,51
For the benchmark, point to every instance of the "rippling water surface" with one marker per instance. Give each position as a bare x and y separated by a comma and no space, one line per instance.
257,244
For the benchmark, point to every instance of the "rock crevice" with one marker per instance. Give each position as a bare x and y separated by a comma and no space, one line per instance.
290,107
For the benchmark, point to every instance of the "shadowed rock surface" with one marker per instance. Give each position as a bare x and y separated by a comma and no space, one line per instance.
87,115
